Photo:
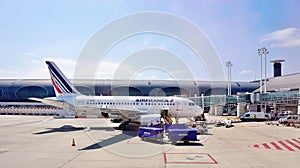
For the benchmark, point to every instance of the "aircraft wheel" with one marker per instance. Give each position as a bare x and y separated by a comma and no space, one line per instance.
186,142
122,126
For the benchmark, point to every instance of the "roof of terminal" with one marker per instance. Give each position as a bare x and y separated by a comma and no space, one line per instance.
286,82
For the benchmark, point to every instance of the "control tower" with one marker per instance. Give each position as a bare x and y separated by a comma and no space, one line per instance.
277,67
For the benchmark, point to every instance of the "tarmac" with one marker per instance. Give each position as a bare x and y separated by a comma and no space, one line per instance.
41,141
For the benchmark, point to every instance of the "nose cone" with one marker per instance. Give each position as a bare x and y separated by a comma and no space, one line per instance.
200,110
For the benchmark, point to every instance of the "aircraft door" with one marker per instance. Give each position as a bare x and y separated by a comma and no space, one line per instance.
179,106
165,116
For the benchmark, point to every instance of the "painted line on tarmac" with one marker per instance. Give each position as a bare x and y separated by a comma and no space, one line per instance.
296,140
276,146
293,144
189,158
283,145
286,146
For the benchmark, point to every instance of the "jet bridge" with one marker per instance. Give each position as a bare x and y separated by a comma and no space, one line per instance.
217,102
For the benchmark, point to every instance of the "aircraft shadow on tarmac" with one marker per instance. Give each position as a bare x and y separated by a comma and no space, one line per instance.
70,128
130,132
113,140
189,144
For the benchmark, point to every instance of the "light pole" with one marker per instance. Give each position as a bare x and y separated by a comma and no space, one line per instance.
229,65
265,51
260,55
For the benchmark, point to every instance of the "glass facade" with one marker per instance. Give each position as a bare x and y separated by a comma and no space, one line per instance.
216,91
31,91
172,91
85,90
125,91
1,93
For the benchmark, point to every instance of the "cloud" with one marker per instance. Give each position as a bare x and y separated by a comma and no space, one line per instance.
37,69
106,70
246,72
5,74
29,54
289,37
152,74
67,65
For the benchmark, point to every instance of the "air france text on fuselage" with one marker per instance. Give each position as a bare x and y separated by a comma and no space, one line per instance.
153,100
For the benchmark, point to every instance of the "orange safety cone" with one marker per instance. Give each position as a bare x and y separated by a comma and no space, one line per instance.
73,143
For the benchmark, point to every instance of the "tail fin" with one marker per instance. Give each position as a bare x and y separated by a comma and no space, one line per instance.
59,81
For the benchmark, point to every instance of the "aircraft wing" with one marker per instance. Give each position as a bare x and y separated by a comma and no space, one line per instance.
88,110
126,113
54,102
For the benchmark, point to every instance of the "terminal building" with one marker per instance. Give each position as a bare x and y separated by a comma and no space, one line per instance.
20,90
14,94
282,93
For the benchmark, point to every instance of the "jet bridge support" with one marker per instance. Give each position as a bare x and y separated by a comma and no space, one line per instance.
216,110
241,109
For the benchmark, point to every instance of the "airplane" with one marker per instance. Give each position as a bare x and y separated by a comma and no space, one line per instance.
130,109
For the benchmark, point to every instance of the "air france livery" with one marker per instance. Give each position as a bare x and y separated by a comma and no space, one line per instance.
139,109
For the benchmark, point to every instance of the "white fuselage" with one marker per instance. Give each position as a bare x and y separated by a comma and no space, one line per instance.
177,107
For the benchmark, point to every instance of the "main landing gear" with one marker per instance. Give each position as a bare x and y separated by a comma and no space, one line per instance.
124,125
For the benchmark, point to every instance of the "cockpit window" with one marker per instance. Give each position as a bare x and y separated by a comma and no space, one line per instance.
191,104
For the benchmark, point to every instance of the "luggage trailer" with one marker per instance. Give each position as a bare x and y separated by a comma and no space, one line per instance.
174,132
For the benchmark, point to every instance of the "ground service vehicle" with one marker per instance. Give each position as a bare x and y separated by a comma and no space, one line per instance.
255,116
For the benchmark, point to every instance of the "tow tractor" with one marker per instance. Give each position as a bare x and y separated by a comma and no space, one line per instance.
227,123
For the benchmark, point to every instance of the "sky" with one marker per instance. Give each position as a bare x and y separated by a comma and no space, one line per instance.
34,31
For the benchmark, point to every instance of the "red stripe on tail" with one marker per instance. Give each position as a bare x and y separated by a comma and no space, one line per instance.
56,87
